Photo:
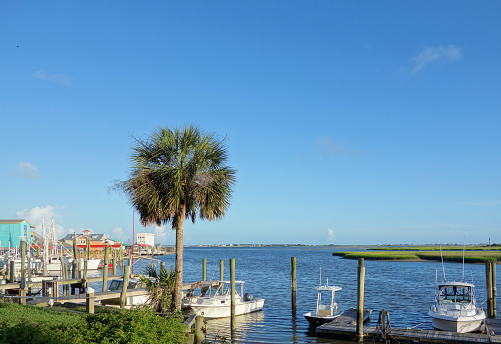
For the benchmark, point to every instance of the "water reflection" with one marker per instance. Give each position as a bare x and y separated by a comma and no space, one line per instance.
219,330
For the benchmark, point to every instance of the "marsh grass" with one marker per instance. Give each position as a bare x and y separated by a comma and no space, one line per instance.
438,248
451,256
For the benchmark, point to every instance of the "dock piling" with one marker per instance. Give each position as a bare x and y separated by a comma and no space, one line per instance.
123,296
360,300
232,283
293,285
204,269
221,270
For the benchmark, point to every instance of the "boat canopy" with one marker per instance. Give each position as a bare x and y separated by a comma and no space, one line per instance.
328,288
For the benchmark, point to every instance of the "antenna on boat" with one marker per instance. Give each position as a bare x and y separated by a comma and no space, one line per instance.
464,244
442,257
320,277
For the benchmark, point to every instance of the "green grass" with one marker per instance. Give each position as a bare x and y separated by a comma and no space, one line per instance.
437,248
451,256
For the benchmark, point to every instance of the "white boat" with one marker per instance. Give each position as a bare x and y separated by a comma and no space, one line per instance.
327,312
214,300
455,308
132,300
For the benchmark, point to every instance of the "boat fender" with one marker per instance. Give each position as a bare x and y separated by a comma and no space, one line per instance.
248,297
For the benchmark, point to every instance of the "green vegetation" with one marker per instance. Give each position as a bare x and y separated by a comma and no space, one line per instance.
452,256
494,247
160,286
31,324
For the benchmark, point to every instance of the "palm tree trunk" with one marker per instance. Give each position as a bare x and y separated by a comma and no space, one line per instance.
178,288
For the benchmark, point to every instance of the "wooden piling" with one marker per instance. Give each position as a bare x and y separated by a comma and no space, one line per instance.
221,270
488,280
11,271
66,287
199,333
114,263
360,300
123,296
75,246
105,267
494,290
232,284
293,285
204,269
162,266
89,302
23,266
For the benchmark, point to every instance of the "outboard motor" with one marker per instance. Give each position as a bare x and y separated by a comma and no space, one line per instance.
248,297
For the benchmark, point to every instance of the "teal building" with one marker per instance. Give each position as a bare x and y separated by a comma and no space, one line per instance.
12,231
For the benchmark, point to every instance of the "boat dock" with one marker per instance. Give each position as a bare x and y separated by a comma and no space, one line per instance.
344,327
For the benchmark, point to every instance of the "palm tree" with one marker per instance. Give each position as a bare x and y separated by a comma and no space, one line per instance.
161,286
178,175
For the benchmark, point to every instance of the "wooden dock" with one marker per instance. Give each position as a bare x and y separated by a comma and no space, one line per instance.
344,327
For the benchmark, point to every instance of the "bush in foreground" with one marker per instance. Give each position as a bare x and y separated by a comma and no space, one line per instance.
30,324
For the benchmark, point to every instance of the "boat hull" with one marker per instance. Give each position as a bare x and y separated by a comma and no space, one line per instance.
218,310
456,325
316,321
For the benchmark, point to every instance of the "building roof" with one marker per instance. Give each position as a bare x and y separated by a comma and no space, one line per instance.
90,236
15,221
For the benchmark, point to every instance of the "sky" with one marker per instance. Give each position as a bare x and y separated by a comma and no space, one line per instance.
367,122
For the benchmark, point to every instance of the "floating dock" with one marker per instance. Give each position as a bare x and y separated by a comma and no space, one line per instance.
344,327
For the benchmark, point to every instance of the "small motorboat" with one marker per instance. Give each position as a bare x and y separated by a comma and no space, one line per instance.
455,308
214,300
327,312
132,301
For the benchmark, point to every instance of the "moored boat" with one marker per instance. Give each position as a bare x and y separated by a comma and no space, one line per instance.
214,300
324,312
455,308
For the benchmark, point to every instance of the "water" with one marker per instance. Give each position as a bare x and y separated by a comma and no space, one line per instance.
404,289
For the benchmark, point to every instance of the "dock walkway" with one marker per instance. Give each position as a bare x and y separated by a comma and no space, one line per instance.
344,327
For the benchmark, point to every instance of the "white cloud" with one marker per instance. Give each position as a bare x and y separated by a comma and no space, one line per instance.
26,170
56,78
161,234
330,235
118,233
429,55
36,215
330,147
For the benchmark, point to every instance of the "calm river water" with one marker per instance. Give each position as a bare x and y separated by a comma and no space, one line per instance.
404,289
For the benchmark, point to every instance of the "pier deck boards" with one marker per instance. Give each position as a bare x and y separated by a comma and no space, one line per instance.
345,327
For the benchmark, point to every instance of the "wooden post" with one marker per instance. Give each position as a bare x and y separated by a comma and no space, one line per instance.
89,302
22,293
121,258
221,270
123,296
65,277
75,246
199,333
162,266
494,290
232,284
11,271
105,267
293,285
488,279
28,263
360,300
114,263
204,269
87,248
23,266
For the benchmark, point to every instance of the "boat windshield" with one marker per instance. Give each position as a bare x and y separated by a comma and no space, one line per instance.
450,294
117,285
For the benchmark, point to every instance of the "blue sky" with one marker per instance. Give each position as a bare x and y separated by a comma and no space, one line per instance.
347,122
